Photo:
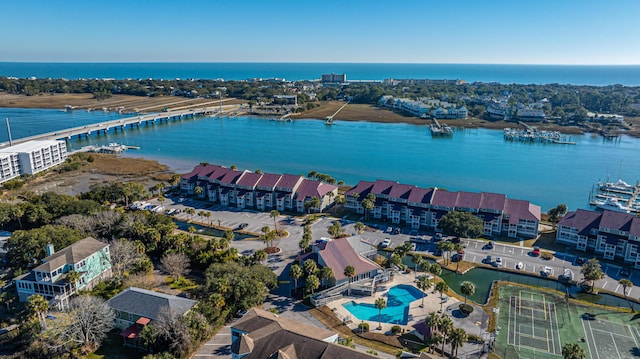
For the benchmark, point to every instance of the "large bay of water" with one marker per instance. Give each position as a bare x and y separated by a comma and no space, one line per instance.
520,74
473,160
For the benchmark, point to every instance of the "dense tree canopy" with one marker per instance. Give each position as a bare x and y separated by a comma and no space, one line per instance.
461,224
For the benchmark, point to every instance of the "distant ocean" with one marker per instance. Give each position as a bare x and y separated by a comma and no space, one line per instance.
508,74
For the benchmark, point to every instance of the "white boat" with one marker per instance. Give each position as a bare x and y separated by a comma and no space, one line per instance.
620,186
519,266
611,204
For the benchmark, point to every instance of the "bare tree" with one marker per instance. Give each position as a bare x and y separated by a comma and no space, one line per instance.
123,256
175,265
86,324
173,330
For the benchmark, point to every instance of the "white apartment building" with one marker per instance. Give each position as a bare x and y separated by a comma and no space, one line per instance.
9,166
34,156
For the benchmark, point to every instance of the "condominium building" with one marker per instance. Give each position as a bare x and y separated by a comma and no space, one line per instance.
33,156
424,207
262,191
9,166
614,235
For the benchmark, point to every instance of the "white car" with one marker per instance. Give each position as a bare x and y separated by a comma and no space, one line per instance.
498,262
386,243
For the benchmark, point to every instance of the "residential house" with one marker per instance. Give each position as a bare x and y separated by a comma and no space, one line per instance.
424,207
135,308
614,235
260,334
337,254
88,257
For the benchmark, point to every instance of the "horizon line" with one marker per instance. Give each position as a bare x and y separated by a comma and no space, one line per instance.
309,62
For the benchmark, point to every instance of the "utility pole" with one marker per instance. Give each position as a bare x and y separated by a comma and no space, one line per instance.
9,131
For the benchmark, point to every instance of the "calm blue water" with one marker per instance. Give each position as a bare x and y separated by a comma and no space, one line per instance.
397,311
521,74
473,160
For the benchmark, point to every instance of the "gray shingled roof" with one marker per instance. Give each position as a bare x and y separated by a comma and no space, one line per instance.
149,304
71,254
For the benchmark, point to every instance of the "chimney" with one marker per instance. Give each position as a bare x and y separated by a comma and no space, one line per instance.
50,249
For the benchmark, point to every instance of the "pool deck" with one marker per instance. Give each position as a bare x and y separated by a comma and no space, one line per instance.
416,313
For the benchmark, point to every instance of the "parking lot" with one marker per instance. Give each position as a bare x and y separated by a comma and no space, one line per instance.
476,251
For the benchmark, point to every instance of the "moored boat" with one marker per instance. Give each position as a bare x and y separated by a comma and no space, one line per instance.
611,204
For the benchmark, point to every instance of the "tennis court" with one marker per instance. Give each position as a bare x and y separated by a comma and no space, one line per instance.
610,340
533,323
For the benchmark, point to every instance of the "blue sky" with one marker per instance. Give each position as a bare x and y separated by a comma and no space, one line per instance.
413,31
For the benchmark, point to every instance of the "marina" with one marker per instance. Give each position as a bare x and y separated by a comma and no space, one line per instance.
440,130
113,148
531,134
616,196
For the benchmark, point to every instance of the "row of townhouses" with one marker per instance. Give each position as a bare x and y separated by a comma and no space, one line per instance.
614,235
30,157
262,191
424,207
88,257
425,107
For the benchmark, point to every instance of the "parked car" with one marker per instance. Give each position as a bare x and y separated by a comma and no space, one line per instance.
386,243
389,230
581,260
498,262
489,245
413,246
536,251
488,260
624,272
396,231
437,237
243,225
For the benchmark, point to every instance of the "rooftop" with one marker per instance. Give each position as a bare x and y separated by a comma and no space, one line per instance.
149,304
71,254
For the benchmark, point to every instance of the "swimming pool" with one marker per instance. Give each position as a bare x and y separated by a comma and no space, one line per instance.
397,310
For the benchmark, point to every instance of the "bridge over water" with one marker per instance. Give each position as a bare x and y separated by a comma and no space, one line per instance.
121,124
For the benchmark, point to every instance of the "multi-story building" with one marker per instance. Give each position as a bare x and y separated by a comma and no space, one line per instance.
9,166
452,113
614,235
262,191
424,207
88,257
34,156
333,78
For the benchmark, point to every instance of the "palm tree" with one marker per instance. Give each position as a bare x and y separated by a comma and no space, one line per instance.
326,274
467,288
349,272
431,322
312,283
73,277
208,216
200,215
435,269
315,203
573,351
310,266
625,283
274,214
442,287
380,304
456,339
359,227
445,326
198,191
417,261
38,306
423,284
190,211
296,273
458,247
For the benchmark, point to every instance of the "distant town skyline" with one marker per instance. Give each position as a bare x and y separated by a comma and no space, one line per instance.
572,32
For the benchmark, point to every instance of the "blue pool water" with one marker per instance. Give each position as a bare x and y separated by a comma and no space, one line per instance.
397,311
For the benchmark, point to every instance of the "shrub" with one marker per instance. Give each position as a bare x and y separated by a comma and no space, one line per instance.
363,327
472,338
466,309
396,329
546,255
13,184
90,159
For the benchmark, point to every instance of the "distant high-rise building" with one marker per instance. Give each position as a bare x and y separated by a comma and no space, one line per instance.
334,77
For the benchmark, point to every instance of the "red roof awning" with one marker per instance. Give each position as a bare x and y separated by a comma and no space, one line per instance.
143,321
131,332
